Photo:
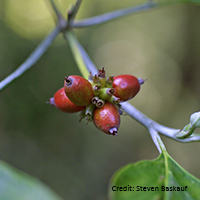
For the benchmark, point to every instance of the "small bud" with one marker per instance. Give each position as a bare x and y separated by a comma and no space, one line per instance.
96,79
115,100
102,77
109,82
195,119
89,112
102,73
106,93
96,89
185,132
95,100
100,103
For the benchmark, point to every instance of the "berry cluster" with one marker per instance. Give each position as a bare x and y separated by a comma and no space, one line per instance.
97,98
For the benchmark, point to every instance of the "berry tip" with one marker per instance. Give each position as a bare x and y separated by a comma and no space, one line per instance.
113,131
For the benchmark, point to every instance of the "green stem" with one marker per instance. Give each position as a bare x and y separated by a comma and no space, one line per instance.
74,45
72,13
156,139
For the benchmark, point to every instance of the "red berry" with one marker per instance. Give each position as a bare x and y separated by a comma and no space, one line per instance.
62,102
107,119
126,86
78,90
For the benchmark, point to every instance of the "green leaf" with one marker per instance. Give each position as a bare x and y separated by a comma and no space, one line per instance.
168,2
16,185
155,175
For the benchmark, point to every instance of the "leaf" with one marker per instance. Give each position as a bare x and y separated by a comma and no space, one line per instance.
16,185
156,175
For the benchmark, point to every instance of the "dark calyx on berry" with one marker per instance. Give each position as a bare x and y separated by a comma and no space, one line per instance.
102,73
113,131
68,81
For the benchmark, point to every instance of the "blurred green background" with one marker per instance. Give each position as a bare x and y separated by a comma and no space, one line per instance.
75,159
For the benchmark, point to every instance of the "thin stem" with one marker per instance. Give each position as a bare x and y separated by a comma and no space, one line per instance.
74,45
55,8
149,123
72,13
32,59
156,139
111,15
192,138
61,20
144,120
88,62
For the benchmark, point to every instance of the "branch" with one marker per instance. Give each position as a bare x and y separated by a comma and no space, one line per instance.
32,59
150,124
62,23
88,62
39,51
156,139
72,13
74,46
112,15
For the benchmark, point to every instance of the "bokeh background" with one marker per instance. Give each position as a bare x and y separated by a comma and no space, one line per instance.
75,159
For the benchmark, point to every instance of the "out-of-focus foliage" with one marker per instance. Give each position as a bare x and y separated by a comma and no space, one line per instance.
30,19
18,185
75,159
169,2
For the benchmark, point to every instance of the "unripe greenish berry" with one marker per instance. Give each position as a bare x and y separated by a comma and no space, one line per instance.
62,102
106,93
126,86
78,90
107,119
102,77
